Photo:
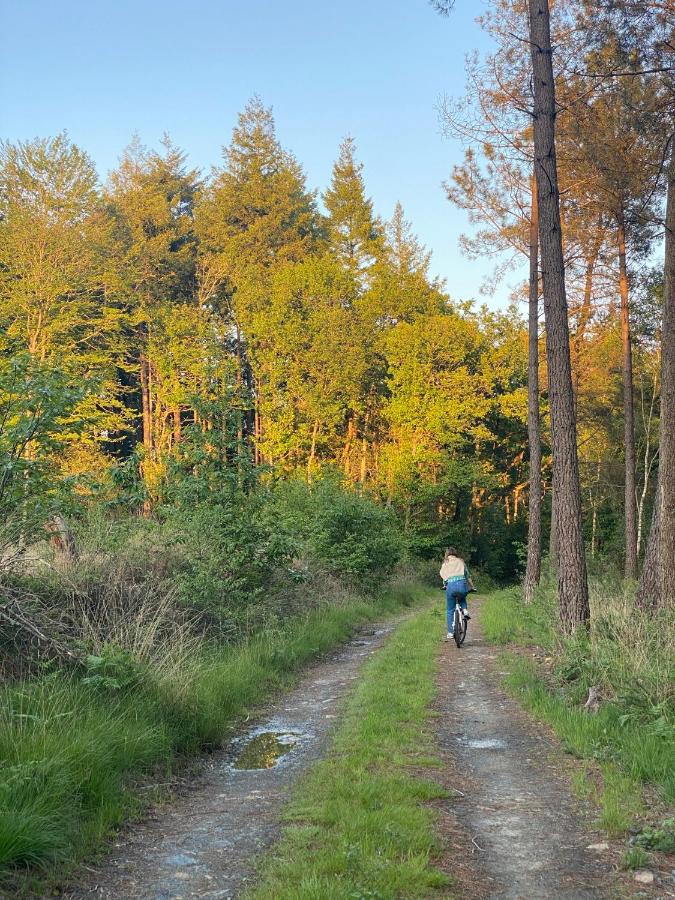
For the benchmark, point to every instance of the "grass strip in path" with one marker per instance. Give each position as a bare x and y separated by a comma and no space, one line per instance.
72,752
359,826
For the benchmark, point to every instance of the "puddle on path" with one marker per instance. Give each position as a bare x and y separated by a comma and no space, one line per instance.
265,749
485,744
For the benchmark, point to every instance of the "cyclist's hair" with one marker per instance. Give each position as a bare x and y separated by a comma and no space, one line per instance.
450,552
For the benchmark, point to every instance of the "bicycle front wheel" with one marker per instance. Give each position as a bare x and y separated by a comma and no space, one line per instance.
458,627
463,626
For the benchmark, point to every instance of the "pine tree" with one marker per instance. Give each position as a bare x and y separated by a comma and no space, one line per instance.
255,218
152,197
355,234
572,578
613,147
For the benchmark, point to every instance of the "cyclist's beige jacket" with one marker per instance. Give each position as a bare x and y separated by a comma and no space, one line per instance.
453,567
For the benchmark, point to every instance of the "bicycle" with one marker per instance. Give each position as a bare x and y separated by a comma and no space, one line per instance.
459,621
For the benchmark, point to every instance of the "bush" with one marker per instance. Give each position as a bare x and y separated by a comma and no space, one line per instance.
346,532
233,560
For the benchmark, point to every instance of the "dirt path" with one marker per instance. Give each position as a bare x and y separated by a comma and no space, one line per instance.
522,824
204,845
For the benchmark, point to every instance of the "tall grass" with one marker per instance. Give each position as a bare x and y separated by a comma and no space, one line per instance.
73,744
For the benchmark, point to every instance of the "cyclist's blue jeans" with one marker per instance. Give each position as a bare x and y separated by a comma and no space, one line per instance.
450,591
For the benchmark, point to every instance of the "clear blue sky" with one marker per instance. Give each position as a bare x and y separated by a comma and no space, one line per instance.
375,69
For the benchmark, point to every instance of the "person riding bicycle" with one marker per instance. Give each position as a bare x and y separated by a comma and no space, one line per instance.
456,580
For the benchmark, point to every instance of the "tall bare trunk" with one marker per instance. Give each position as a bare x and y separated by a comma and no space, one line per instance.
572,577
648,459
586,309
553,536
146,404
312,451
630,503
257,459
347,450
146,408
533,570
649,587
657,582
667,423
364,461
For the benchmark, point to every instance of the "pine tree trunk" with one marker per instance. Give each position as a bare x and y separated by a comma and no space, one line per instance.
572,578
585,314
667,423
553,536
649,588
630,510
533,570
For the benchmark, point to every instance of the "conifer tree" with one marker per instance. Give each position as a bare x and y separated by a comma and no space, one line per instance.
401,287
355,234
572,577
613,146
152,196
256,217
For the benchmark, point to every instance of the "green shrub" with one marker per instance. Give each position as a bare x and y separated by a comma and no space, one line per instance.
346,532
230,558
660,838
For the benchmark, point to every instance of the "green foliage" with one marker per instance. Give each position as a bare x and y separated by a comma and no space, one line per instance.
57,282
361,824
233,557
111,670
635,858
661,837
354,232
36,422
347,532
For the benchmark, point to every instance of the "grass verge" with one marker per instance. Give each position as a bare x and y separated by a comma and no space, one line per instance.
73,748
630,736
358,826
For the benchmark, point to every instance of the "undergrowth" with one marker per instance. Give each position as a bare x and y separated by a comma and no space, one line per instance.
359,826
